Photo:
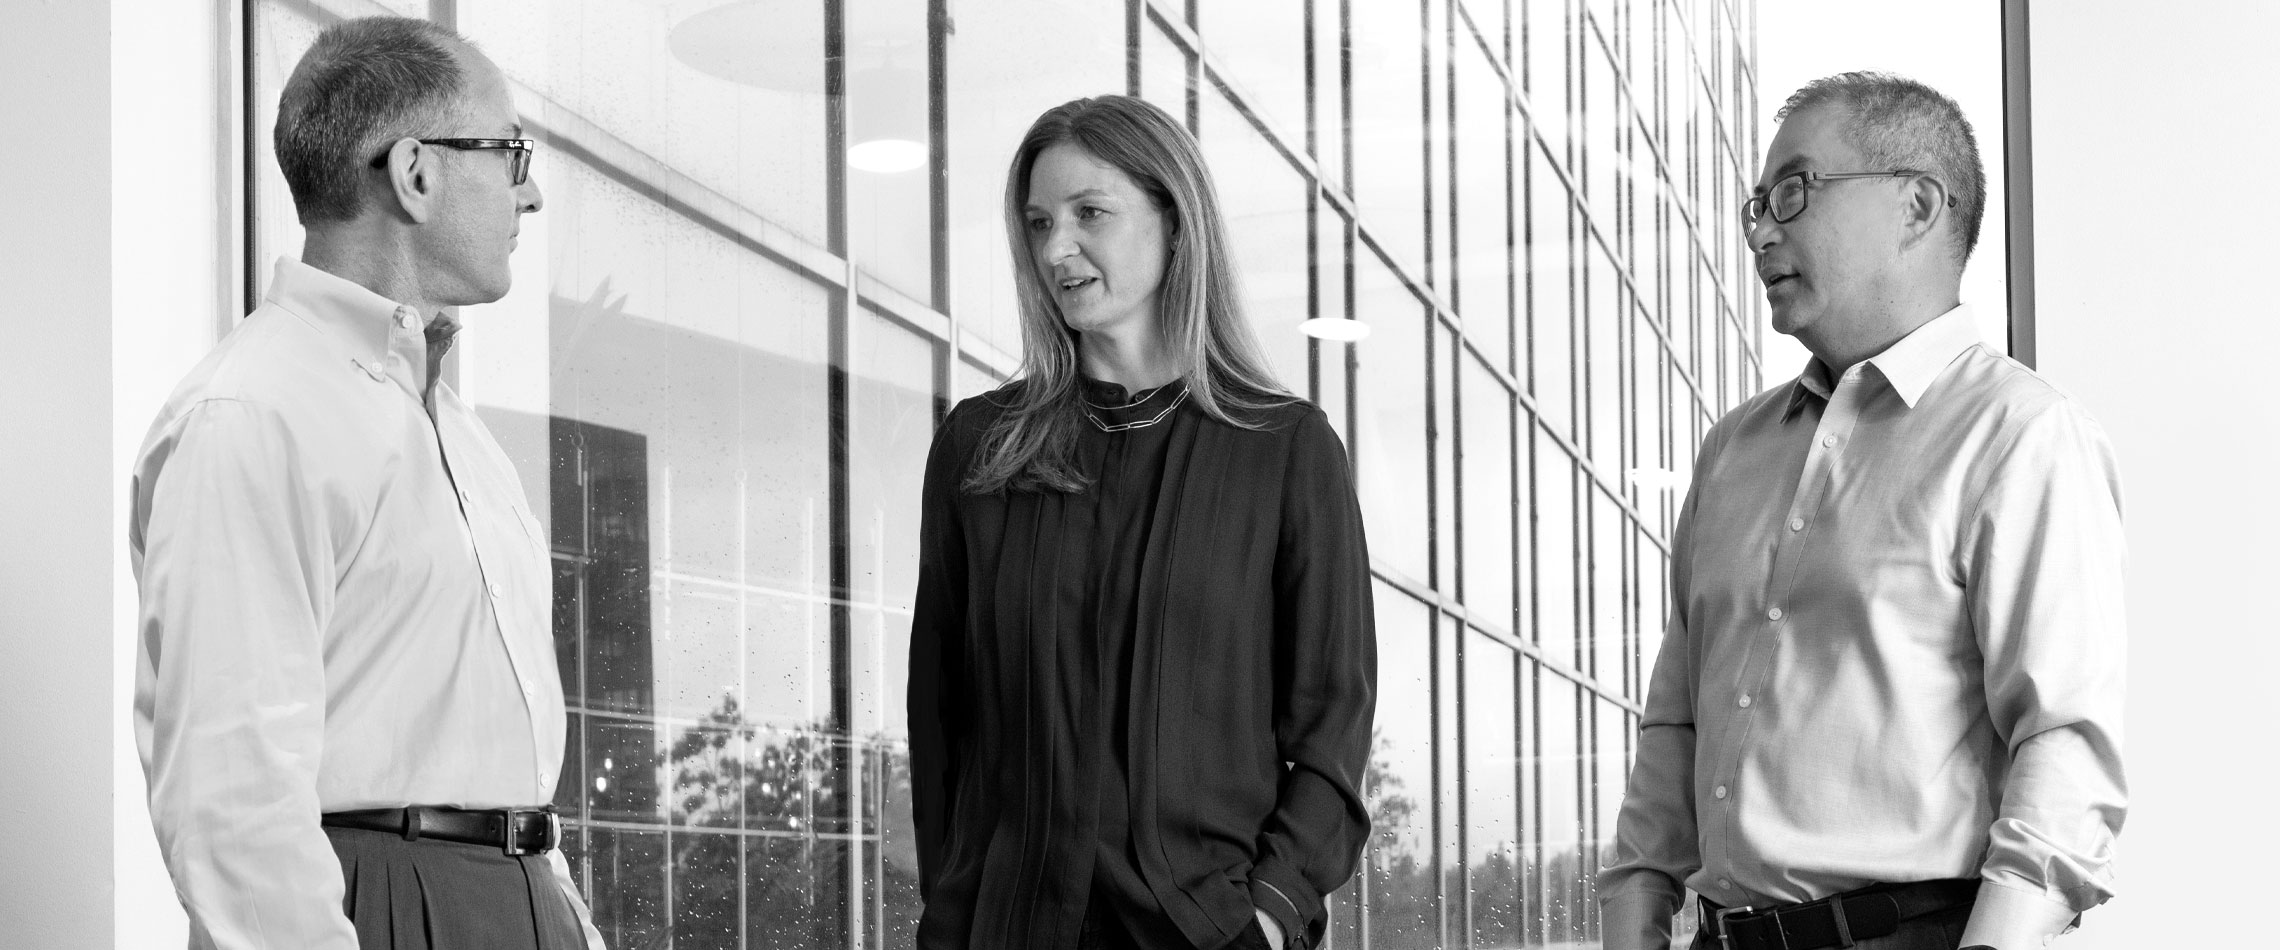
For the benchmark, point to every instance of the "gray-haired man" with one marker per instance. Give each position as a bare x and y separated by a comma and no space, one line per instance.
346,699
1887,712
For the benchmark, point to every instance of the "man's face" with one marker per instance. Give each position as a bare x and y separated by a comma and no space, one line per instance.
479,208
1830,262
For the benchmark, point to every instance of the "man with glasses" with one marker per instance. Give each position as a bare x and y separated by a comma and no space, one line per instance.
346,698
1887,709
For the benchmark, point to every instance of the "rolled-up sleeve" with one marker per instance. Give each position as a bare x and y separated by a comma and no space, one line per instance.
235,558
1326,628
2044,577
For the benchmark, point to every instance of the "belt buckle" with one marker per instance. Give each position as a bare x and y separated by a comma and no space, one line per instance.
1718,924
512,844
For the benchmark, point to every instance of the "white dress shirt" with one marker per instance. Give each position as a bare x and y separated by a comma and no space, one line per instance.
1895,651
346,604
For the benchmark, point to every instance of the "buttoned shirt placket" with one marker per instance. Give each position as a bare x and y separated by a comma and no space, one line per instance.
1840,412
406,365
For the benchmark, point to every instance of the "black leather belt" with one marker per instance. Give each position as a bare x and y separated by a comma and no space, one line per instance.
511,830
1837,921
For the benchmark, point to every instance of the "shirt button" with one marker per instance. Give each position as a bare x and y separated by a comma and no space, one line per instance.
526,687
495,592
404,318
1743,702
1725,885
1720,791
1795,524
1828,441
1774,614
463,496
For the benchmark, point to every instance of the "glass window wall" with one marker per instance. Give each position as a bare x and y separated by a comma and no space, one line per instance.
772,256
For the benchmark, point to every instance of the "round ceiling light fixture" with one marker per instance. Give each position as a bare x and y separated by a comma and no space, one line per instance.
1335,329
886,156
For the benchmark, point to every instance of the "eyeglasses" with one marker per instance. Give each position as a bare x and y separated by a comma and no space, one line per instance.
1786,200
522,149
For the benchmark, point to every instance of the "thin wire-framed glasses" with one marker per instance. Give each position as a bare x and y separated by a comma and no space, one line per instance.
522,149
1787,199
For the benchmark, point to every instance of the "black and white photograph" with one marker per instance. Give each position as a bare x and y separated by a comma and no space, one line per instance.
1138,474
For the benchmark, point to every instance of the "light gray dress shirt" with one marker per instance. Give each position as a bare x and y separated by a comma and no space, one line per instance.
346,604
1895,651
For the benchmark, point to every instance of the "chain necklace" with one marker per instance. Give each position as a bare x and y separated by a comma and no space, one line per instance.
1136,423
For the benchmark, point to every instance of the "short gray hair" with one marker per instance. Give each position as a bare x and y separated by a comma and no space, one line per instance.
1899,123
365,82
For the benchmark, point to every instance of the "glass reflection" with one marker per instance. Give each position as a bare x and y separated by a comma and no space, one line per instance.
1266,221
1390,447
1490,559
730,340
1484,238
997,84
1400,867
1389,127
1493,851
889,145
1262,45
1560,864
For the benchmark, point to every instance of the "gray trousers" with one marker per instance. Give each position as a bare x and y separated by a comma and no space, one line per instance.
443,895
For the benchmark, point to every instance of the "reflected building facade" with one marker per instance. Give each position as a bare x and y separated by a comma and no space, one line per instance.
772,256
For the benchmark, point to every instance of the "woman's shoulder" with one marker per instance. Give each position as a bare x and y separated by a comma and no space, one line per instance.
979,412
1285,417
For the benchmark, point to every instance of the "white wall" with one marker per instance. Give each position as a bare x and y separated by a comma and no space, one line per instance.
113,279
2155,135
55,426
174,240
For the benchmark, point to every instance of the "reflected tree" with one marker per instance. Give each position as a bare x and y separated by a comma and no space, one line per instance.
1520,898
761,835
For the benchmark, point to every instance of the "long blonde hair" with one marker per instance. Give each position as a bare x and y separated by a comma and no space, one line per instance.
1030,448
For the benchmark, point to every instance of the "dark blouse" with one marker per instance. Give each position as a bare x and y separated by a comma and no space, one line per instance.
1156,693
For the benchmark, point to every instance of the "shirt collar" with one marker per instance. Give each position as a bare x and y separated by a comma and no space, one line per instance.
360,320
1910,366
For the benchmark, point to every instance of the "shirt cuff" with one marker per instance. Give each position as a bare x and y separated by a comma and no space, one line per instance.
1637,919
1284,909
2008,918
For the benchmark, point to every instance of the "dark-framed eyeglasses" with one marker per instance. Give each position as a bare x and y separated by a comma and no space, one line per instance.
522,149
1787,198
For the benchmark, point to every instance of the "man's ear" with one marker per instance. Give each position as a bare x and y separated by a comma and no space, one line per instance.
1924,206
410,168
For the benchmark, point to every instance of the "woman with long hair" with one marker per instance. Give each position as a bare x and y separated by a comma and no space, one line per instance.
1143,664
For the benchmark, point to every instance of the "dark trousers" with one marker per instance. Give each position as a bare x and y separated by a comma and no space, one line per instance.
443,895
1939,930
1102,931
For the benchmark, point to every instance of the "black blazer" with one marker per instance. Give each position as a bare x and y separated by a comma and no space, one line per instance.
1254,665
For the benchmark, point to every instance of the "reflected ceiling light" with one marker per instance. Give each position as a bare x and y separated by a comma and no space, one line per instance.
886,112
1336,329
745,42
886,156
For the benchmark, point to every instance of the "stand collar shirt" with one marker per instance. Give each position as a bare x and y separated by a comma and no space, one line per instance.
1895,650
345,604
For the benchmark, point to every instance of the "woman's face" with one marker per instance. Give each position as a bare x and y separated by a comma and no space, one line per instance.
1098,242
